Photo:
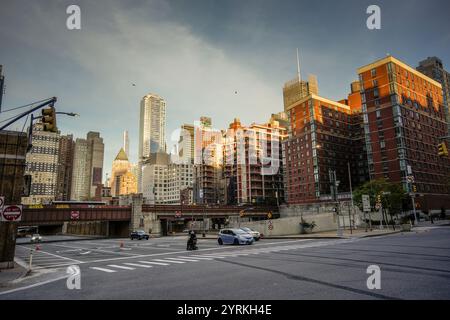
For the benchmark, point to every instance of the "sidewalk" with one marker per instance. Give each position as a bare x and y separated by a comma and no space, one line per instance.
7,276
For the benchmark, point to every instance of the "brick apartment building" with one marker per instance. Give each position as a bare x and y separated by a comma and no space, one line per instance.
404,118
324,135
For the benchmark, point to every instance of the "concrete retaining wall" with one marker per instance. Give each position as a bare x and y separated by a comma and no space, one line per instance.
288,225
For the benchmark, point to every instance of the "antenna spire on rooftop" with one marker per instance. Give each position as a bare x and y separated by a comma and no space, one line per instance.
298,68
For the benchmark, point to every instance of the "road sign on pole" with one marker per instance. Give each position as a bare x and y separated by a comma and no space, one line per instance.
11,213
74,215
366,202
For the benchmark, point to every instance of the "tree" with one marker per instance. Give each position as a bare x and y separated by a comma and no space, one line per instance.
392,195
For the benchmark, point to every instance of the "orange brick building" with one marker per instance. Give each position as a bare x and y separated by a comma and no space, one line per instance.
403,119
324,135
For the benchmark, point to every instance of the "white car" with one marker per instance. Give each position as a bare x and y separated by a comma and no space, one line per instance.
256,235
36,238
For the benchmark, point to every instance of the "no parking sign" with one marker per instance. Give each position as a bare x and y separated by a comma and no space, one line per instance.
11,213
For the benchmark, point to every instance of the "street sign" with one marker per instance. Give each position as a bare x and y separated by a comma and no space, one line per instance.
2,203
241,213
12,213
409,170
366,202
269,215
178,214
74,215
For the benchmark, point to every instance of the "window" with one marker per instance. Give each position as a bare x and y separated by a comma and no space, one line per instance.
373,72
378,113
376,93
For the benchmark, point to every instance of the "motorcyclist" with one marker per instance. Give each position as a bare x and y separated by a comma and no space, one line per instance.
192,241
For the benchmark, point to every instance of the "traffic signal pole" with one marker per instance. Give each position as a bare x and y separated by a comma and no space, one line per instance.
50,102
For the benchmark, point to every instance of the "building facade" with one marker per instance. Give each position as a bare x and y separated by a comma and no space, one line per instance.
209,183
123,181
434,68
404,117
163,181
325,136
87,167
42,166
152,129
298,89
253,167
186,144
65,167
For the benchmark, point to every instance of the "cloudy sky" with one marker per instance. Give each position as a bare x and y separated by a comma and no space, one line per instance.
196,54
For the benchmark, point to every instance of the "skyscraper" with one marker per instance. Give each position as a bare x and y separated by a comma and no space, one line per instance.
433,68
126,143
152,129
65,167
87,166
42,165
186,144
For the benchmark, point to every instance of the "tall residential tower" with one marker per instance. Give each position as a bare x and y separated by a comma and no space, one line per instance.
152,129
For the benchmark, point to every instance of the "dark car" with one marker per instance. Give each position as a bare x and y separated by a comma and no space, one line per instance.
139,234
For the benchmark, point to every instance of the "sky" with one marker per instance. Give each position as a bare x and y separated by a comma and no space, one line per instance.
216,58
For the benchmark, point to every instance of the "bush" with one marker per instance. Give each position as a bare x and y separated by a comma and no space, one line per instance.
307,225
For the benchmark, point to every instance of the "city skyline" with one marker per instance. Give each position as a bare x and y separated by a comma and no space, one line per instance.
213,70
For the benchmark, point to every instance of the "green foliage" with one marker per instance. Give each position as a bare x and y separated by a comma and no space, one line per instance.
392,195
306,225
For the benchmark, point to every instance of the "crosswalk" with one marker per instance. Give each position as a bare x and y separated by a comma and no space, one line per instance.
202,257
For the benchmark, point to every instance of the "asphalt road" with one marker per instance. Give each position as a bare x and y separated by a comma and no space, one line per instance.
413,266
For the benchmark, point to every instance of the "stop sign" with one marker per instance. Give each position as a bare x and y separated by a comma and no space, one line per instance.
74,215
12,213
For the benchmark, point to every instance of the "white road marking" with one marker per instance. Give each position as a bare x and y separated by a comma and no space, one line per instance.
120,267
197,257
137,265
183,259
105,251
161,260
213,256
58,256
103,269
157,263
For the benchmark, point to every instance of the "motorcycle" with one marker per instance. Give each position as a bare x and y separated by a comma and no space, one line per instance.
192,242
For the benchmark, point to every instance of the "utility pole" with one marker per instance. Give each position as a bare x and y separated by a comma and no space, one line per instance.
2,82
334,192
351,197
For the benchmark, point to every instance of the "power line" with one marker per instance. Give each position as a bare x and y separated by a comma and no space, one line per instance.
27,105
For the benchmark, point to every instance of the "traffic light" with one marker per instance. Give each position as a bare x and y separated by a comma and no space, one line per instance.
49,119
379,198
442,149
414,188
